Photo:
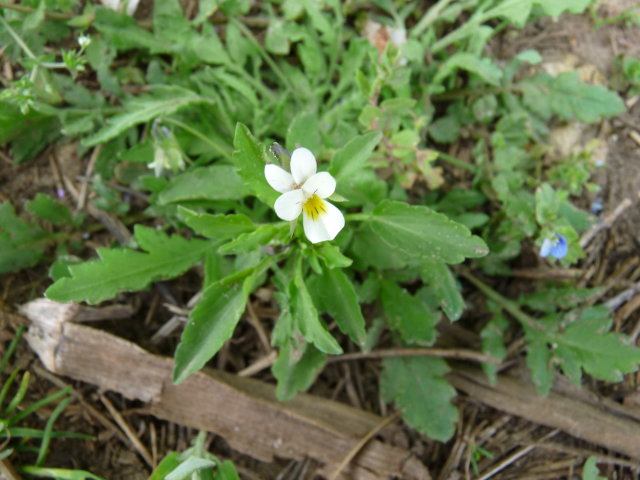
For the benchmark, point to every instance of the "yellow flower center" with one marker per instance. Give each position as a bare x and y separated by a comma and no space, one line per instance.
314,206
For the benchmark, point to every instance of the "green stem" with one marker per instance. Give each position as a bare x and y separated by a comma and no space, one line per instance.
265,56
508,305
458,163
358,217
223,150
18,39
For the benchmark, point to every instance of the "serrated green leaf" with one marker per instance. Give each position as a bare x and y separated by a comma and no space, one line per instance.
569,98
336,296
418,231
47,208
408,315
554,8
250,158
216,227
354,155
587,344
443,286
21,244
163,100
212,321
296,369
216,182
124,270
418,388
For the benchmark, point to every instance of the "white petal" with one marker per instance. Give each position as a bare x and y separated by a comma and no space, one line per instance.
322,184
326,227
303,165
279,179
289,205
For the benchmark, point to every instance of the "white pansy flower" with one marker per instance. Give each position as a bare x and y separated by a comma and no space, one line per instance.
304,191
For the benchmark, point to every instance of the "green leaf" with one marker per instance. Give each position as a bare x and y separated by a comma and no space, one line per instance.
212,321
418,388
354,155
248,242
418,231
226,471
250,157
485,68
554,8
296,369
590,469
332,256
125,270
539,360
21,244
164,100
408,315
169,463
569,98
306,317
493,344
516,11
336,296
47,208
216,227
587,344
444,287
59,473
304,132
189,466
216,182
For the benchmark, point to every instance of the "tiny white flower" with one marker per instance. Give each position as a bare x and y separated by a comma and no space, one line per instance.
304,191
84,41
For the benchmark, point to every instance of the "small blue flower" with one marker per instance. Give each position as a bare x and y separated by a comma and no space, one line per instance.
596,206
556,246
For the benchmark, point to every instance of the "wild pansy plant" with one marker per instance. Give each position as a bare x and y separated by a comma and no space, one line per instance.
379,120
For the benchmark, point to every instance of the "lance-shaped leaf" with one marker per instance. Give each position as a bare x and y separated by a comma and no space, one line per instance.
444,288
163,100
122,269
250,157
335,295
212,321
216,182
418,231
